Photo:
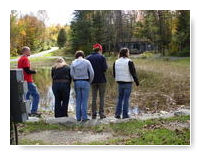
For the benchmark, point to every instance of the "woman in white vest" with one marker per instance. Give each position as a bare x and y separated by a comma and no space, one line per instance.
124,73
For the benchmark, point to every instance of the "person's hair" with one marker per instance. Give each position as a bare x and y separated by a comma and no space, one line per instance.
123,52
25,48
60,62
96,49
79,53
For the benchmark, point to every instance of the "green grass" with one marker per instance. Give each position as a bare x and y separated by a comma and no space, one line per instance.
14,57
64,52
152,137
182,62
161,137
134,132
38,126
160,82
29,142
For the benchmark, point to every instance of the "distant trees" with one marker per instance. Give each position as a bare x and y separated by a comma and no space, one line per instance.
183,29
103,26
30,30
62,38
168,31
26,30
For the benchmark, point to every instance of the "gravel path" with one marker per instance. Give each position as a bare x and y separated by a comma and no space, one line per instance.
110,119
38,54
57,137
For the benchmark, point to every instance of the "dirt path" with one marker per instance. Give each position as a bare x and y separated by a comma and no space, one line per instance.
38,54
57,137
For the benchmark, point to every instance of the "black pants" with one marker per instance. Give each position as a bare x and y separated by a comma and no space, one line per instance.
61,91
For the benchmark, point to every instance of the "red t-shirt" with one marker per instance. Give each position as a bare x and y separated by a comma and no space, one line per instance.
22,63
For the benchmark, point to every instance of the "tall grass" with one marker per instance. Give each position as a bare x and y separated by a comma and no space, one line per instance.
164,85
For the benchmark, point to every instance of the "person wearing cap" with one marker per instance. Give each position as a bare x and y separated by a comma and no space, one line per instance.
99,65
125,74
24,63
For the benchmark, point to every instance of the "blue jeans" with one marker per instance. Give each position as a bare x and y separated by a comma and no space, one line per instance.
61,91
124,91
32,90
82,89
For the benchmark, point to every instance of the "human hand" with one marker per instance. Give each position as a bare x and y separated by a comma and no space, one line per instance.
137,87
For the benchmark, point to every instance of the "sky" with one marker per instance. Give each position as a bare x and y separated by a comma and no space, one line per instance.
54,16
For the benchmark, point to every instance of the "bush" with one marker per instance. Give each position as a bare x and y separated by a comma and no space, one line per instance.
146,55
180,54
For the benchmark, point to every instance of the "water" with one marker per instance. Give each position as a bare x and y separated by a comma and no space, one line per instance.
44,83
134,111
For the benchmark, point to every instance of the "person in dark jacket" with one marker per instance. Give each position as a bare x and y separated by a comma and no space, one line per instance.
61,78
124,73
99,65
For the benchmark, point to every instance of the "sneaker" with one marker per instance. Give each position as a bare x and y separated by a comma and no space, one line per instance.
85,120
102,116
94,116
124,117
35,114
117,116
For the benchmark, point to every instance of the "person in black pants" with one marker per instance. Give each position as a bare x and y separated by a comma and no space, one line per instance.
60,74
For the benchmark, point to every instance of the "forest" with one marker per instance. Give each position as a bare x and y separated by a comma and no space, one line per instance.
168,31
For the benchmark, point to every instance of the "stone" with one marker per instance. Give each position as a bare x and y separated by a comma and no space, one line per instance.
33,119
182,112
163,112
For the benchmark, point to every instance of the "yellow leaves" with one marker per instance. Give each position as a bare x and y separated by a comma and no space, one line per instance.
23,33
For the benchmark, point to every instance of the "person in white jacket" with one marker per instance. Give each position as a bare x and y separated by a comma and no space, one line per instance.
124,73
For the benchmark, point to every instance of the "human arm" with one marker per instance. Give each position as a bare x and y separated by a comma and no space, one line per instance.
133,72
91,72
105,66
72,71
114,69
29,71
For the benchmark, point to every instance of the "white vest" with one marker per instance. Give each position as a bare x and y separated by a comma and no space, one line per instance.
122,72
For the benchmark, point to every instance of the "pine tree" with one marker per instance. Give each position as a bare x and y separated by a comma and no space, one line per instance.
62,38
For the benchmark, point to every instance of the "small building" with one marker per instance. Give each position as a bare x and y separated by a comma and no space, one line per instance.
135,45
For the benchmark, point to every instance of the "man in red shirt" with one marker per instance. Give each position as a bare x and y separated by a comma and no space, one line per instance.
24,63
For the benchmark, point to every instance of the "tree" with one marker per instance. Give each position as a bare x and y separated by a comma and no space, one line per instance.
183,29
164,29
14,33
62,38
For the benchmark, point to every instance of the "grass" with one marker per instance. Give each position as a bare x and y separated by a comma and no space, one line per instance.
64,52
134,132
182,62
161,137
164,84
30,142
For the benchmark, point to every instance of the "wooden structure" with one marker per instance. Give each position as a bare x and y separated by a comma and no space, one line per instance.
135,46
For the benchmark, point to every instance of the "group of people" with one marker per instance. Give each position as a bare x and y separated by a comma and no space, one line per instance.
86,72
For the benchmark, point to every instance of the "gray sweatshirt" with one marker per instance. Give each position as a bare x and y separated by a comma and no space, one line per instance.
81,69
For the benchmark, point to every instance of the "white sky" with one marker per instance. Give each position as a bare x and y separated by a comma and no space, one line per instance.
59,17
55,16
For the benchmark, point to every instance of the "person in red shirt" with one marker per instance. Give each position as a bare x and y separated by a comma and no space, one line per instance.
24,63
